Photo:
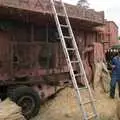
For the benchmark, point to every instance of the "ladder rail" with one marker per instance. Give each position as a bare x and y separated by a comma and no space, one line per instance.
68,59
69,62
63,44
78,55
72,35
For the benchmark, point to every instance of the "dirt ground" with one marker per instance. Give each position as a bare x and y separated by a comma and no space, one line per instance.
64,106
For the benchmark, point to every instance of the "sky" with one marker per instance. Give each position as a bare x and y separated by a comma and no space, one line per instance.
110,7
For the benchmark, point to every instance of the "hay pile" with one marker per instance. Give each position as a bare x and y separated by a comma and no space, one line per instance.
64,106
101,77
118,109
10,111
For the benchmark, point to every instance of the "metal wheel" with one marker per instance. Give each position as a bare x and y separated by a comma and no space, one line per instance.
28,99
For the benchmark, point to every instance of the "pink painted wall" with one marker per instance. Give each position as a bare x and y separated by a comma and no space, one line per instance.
110,34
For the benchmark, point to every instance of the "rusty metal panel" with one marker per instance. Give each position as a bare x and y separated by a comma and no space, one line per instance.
80,39
4,53
39,57
90,38
43,6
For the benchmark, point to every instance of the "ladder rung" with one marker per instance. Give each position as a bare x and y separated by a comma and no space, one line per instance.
65,26
77,75
87,102
83,88
75,61
67,37
70,38
91,115
71,49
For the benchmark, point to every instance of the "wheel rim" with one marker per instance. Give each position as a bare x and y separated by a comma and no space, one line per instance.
27,103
